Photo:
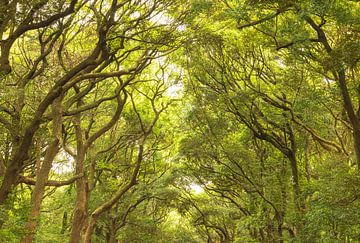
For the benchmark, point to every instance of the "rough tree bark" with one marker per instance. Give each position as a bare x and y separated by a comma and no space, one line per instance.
82,190
80,214
43,174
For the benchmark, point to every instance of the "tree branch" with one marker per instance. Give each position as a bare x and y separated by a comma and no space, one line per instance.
32,181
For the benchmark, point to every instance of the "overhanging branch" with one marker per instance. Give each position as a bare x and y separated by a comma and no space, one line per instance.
32,181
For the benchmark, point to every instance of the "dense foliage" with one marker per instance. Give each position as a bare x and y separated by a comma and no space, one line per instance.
179,121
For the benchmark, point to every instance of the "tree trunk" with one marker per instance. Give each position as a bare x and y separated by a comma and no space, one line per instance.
39,190
43,174
21,153
89,229
10,178
295,179
14,167
64,223
350,111
106,206
307,159
80,215
112,232
356,134
280,234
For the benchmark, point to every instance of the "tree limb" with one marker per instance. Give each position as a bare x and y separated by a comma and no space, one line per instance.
32,181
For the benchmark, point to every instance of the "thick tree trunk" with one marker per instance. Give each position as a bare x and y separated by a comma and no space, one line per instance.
80,215
21,154
43,174
10,178
39,190
16,163
5,67
80,227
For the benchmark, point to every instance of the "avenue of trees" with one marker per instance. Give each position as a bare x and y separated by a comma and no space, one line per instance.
179,121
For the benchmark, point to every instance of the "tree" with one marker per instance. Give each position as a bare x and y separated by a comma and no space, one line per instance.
117,42
235,72
186,121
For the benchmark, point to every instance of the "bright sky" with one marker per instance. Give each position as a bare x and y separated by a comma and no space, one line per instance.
196,188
